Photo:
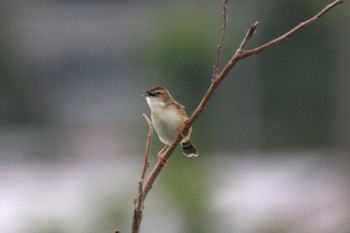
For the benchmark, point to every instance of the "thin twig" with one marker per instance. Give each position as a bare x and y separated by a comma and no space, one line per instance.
248,36
294,30
148,145
137,216
221,44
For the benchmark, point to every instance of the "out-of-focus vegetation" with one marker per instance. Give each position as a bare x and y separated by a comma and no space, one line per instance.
273,142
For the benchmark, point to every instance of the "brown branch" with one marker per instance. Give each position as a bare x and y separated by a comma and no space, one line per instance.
148,145
240,54
221,44
248,36
293,31
137,216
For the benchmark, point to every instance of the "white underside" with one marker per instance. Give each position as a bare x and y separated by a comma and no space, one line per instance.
166,120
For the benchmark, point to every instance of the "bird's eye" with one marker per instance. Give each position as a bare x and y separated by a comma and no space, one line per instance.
158,93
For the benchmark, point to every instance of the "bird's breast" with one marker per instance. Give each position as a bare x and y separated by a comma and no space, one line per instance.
167,123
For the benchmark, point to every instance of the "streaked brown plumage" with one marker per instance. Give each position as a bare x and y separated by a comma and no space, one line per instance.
168,117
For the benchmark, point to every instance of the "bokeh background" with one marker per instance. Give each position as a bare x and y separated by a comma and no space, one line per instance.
274,141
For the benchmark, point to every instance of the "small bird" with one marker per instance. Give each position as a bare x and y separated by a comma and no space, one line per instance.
168,118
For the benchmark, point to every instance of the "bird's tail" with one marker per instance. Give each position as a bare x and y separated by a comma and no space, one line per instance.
188,149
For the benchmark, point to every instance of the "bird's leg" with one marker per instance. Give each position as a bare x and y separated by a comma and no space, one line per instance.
160,154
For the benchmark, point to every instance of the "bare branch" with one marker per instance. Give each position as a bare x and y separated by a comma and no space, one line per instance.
221,44
248,36
137,217
218,78
148,145
294,30
156,170
215,83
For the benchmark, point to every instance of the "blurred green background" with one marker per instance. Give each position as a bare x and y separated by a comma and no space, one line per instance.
273,143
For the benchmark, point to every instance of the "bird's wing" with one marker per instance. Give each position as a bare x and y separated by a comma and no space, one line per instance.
180,107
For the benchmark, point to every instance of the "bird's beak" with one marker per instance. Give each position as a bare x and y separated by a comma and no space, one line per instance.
148,93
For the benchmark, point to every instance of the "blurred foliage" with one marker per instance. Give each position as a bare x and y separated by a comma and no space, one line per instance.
111,213
182,50
282,99
49,227
298,84
18,102
187,183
